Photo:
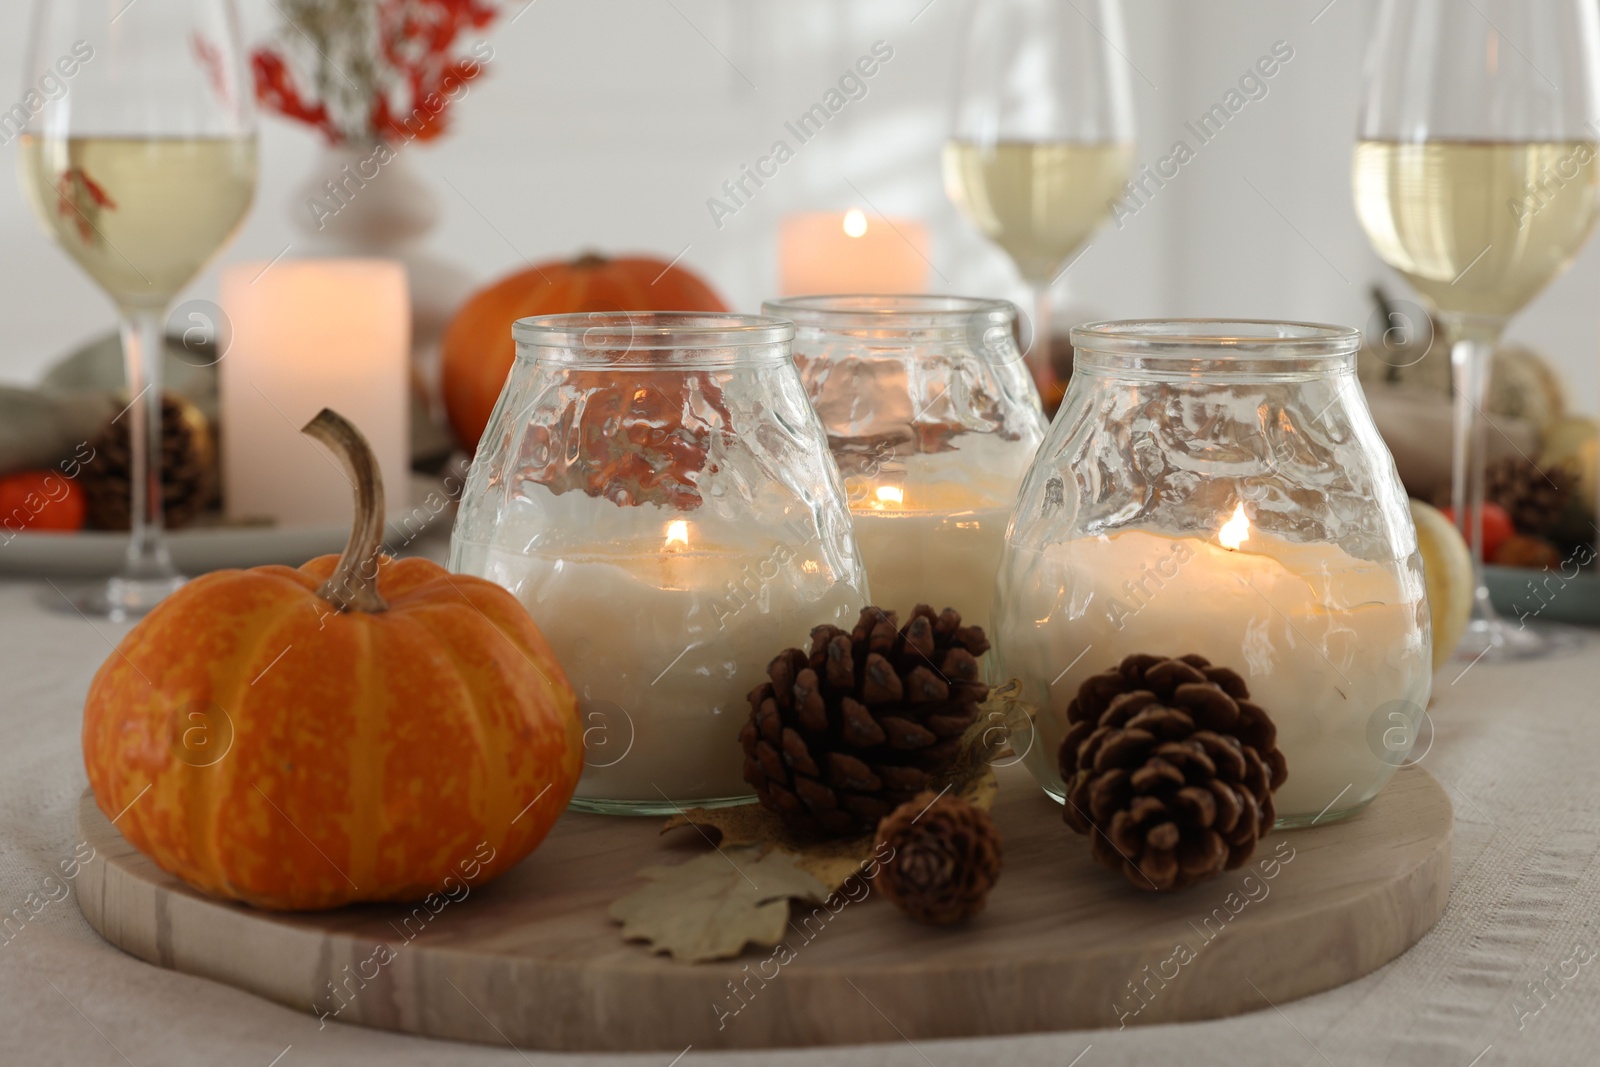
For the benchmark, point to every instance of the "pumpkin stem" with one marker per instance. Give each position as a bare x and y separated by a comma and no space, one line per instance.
353,585
590,259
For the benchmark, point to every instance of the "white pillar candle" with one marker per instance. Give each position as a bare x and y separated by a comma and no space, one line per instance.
852,252
1328,643
310,334
932,530
925,547
663,642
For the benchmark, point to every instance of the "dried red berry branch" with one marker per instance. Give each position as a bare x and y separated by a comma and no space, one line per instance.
369,71
82,196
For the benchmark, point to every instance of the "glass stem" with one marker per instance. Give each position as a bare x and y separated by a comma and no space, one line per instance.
1472,351
143,345
1039,361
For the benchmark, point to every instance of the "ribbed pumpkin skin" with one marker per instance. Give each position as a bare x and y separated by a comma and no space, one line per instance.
478,350
369,762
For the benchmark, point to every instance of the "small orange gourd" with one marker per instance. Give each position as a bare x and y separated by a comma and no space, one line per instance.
357,729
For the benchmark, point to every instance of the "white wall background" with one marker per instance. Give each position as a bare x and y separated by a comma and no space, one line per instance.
607,123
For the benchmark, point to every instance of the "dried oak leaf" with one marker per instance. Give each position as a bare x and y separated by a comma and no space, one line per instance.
980,790
830,861
714,905
1006,723
752,824
711,907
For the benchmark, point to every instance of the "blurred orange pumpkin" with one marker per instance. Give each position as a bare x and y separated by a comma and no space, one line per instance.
357,729
40,500
478,350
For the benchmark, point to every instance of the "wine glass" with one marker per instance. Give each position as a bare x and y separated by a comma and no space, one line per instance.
1476,176
140,160
1042,140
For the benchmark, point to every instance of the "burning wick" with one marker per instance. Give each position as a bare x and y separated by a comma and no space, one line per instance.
1235,530
677,535
855,223
891,495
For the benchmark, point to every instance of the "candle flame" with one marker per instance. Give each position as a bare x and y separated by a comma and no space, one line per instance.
1235,530
890,494
855,223
677,534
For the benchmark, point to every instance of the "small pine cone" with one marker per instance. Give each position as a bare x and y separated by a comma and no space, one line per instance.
1171,769
1535,499
945,858
188,468
840,736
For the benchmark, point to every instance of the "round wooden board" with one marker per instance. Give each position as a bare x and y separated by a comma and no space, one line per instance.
534,960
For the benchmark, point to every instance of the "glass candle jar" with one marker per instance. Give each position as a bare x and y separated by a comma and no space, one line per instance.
1219,488
656,490
933,419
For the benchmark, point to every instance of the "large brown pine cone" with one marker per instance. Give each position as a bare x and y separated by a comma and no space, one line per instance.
1171,769
1535,499
945,858
840,737
188,468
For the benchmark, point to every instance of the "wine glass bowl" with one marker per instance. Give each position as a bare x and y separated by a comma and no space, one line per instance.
1039,201
1479,228
1042,138
140,215
140,168
1476,175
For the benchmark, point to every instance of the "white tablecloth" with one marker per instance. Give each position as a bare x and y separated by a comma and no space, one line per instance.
1516,746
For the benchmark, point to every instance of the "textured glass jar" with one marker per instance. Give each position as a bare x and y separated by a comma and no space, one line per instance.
1220,488
933,420
656,490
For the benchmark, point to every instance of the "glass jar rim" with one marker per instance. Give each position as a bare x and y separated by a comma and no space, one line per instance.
603,336
1240,348
891,313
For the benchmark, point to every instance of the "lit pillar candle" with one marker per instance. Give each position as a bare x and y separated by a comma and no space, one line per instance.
852,253
310,334
922,545
1328,644
933,532
664,640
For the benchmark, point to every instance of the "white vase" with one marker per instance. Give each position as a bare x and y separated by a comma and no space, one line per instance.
370,201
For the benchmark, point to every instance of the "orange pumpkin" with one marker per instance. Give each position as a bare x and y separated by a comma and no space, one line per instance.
478,350
360,728
40,500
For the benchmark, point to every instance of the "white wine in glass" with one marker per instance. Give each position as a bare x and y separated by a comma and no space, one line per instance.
1478,227
141,169
141,215
1042,141
1476,177
1039,201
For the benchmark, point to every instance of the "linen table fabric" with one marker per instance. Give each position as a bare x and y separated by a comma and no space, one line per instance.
1515,746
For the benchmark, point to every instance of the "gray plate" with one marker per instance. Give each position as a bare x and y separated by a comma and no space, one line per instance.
1549,598
94,553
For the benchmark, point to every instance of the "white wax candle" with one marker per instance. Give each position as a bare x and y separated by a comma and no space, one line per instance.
310,334
933,532
663,642
1326,642
946,559
852,252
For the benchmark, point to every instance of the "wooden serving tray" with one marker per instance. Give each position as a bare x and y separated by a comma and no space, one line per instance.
533,960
